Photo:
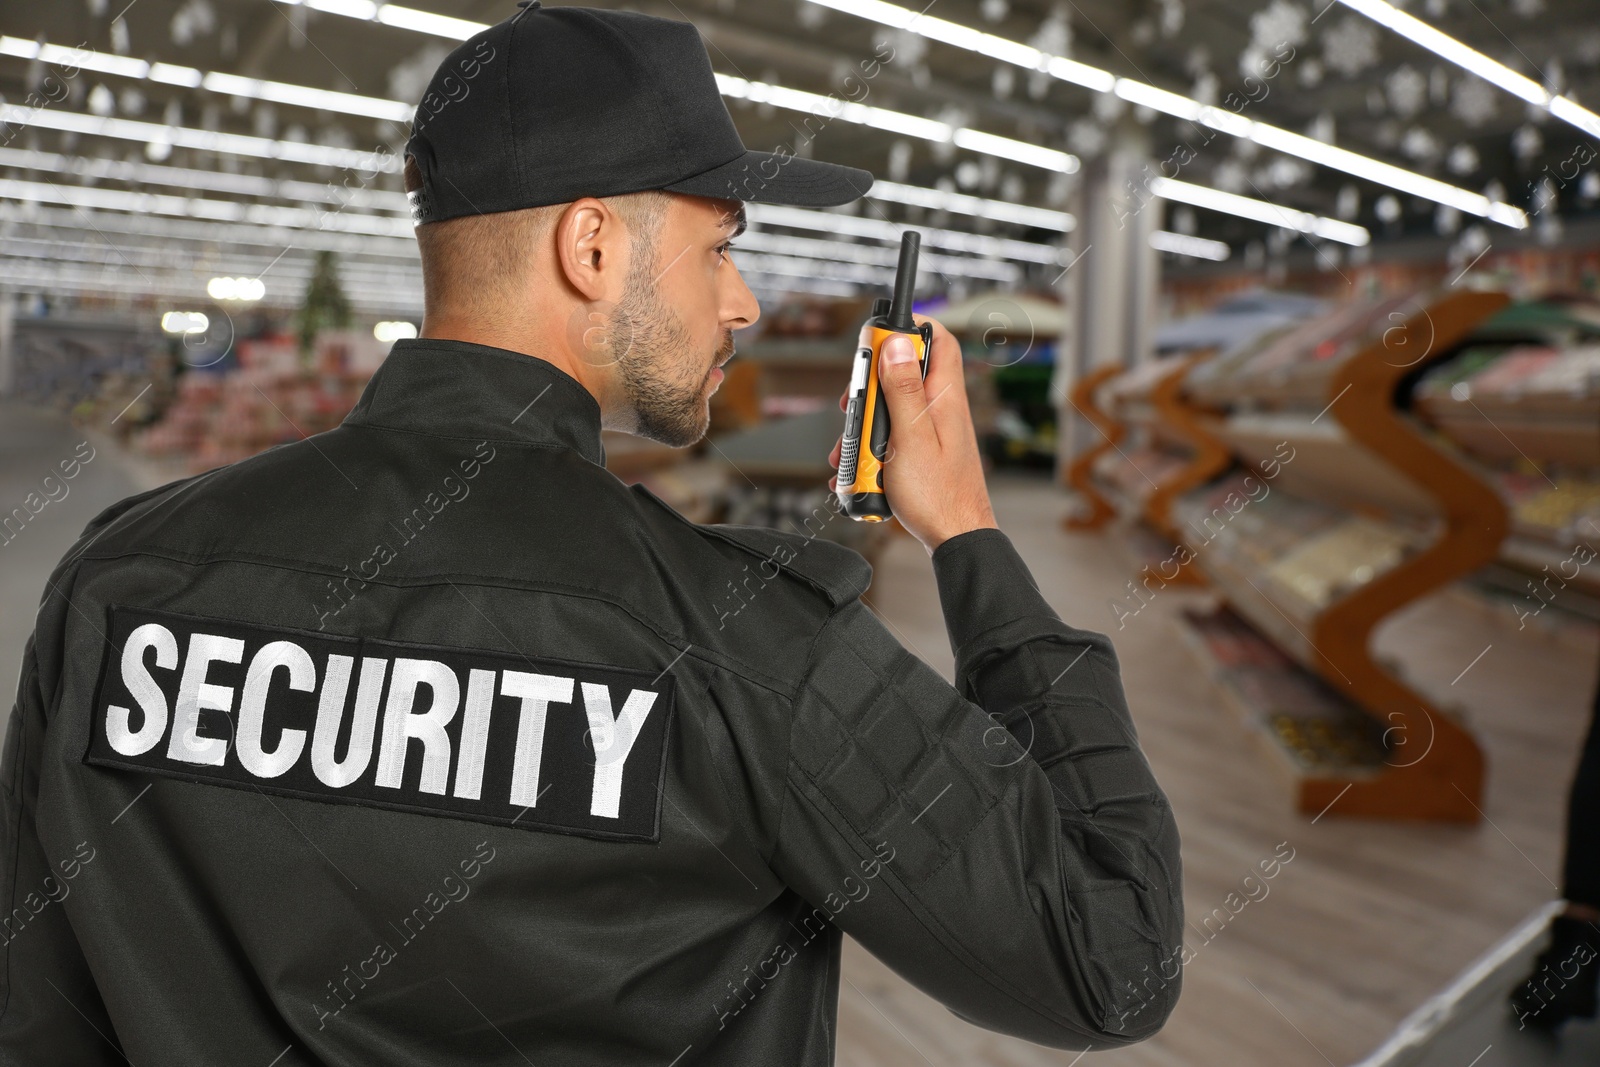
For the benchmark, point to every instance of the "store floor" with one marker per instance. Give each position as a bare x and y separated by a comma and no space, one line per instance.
1359,928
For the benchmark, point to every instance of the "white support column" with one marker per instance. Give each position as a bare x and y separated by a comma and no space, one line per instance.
8,316
1111,289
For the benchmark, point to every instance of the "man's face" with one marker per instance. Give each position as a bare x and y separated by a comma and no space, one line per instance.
673,328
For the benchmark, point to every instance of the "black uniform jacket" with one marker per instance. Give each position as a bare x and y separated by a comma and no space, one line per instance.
428,741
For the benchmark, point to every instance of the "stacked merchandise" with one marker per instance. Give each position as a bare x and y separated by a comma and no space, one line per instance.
1341,560
1302,713
188,419
273,397
81,362
1301,555
1560,514
1287,366
1131,474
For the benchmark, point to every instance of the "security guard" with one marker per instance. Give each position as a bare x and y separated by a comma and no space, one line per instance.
429,741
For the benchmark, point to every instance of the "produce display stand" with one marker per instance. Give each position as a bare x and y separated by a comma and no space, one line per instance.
1343,510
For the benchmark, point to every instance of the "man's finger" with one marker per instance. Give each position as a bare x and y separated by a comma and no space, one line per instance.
946,384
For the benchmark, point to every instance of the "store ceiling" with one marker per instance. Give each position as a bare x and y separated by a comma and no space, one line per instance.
1341,77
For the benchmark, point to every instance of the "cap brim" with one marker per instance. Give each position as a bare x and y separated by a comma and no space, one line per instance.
768,178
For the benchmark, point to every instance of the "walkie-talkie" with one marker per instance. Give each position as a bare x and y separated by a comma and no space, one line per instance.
866,416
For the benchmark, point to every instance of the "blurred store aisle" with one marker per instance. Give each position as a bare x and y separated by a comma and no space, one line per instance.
43,510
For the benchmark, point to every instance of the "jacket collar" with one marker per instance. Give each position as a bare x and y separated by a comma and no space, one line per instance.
461,389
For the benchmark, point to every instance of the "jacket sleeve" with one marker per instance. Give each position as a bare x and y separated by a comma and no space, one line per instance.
1001,844
50,1008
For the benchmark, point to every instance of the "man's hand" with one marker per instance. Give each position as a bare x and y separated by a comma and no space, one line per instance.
933,474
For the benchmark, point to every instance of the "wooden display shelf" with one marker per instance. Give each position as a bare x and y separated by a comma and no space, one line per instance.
1153,558
1260,561
1284,623
1147,399
1152,470
1550,561
1327,463
1311,737
1101,510
1151,397
1515,434
1290,369
1123,501
1369,459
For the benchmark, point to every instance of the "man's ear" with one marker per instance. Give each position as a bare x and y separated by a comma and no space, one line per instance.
592,249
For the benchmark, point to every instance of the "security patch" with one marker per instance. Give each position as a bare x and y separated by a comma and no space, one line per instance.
539,744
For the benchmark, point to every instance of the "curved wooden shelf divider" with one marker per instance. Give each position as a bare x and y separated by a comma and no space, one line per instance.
1111,431
1211,455
1436,769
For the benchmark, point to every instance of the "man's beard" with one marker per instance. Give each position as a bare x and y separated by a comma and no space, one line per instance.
649,345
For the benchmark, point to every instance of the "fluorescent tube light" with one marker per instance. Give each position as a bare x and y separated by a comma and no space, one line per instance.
1184,245
1259,210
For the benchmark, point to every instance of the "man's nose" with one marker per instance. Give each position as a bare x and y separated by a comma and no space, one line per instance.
743,309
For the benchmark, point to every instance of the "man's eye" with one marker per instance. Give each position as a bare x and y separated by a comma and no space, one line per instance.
723,249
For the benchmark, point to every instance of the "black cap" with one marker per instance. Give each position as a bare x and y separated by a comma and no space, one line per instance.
554,104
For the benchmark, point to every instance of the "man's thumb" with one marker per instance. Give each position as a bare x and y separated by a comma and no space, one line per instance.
900,381
897,365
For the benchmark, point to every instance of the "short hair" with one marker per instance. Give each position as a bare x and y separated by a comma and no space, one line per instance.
478,261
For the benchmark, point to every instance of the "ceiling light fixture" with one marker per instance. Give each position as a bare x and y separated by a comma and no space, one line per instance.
1089,77
1185,245
800,218
1000,210
396,111
1472,61
394,330
181,322
242,290
1184,107
897,122
216,181
1259,210
214,81
189,207
207,140
142,202
756,240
